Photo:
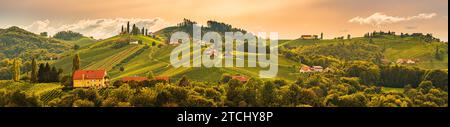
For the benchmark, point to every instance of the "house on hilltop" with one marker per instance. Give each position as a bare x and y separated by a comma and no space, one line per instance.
309,37
90,78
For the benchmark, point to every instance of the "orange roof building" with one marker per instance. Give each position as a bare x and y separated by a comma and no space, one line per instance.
243,79
90,78
305,69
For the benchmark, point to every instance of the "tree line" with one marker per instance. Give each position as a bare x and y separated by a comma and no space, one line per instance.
44,73
134,30
314,91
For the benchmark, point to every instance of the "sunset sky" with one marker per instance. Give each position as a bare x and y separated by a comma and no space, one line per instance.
291,18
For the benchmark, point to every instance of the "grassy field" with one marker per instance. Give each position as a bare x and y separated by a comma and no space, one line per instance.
114,59
157,60
101,55
82,42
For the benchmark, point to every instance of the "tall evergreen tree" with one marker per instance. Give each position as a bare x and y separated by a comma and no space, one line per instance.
321,36
54,75
76,63
47,73
121,30
34,71
16,71
146,32
134,31
41,72
128,27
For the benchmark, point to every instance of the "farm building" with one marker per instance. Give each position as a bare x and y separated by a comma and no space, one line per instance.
305,69
309,37
90,78
317,68
243,79
134,43
308,69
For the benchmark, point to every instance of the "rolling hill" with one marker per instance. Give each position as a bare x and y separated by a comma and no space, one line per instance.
108,53
122,59
19,43
391,47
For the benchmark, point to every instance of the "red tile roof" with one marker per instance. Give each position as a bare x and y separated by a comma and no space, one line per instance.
305,68
240,78
89,74
133,78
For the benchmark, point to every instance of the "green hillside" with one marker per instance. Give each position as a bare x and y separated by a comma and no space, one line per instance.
107,54
157,60
82,42
391,48
137,60
19,43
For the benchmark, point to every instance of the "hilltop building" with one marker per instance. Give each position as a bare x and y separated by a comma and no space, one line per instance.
309,37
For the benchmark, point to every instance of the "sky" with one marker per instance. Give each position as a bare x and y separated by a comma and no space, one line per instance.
290,18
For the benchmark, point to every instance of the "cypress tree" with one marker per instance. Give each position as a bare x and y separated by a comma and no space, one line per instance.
146,32
16,71
54,75
76,63
41,73
47,73
34,71
128,27
134,31
121,30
